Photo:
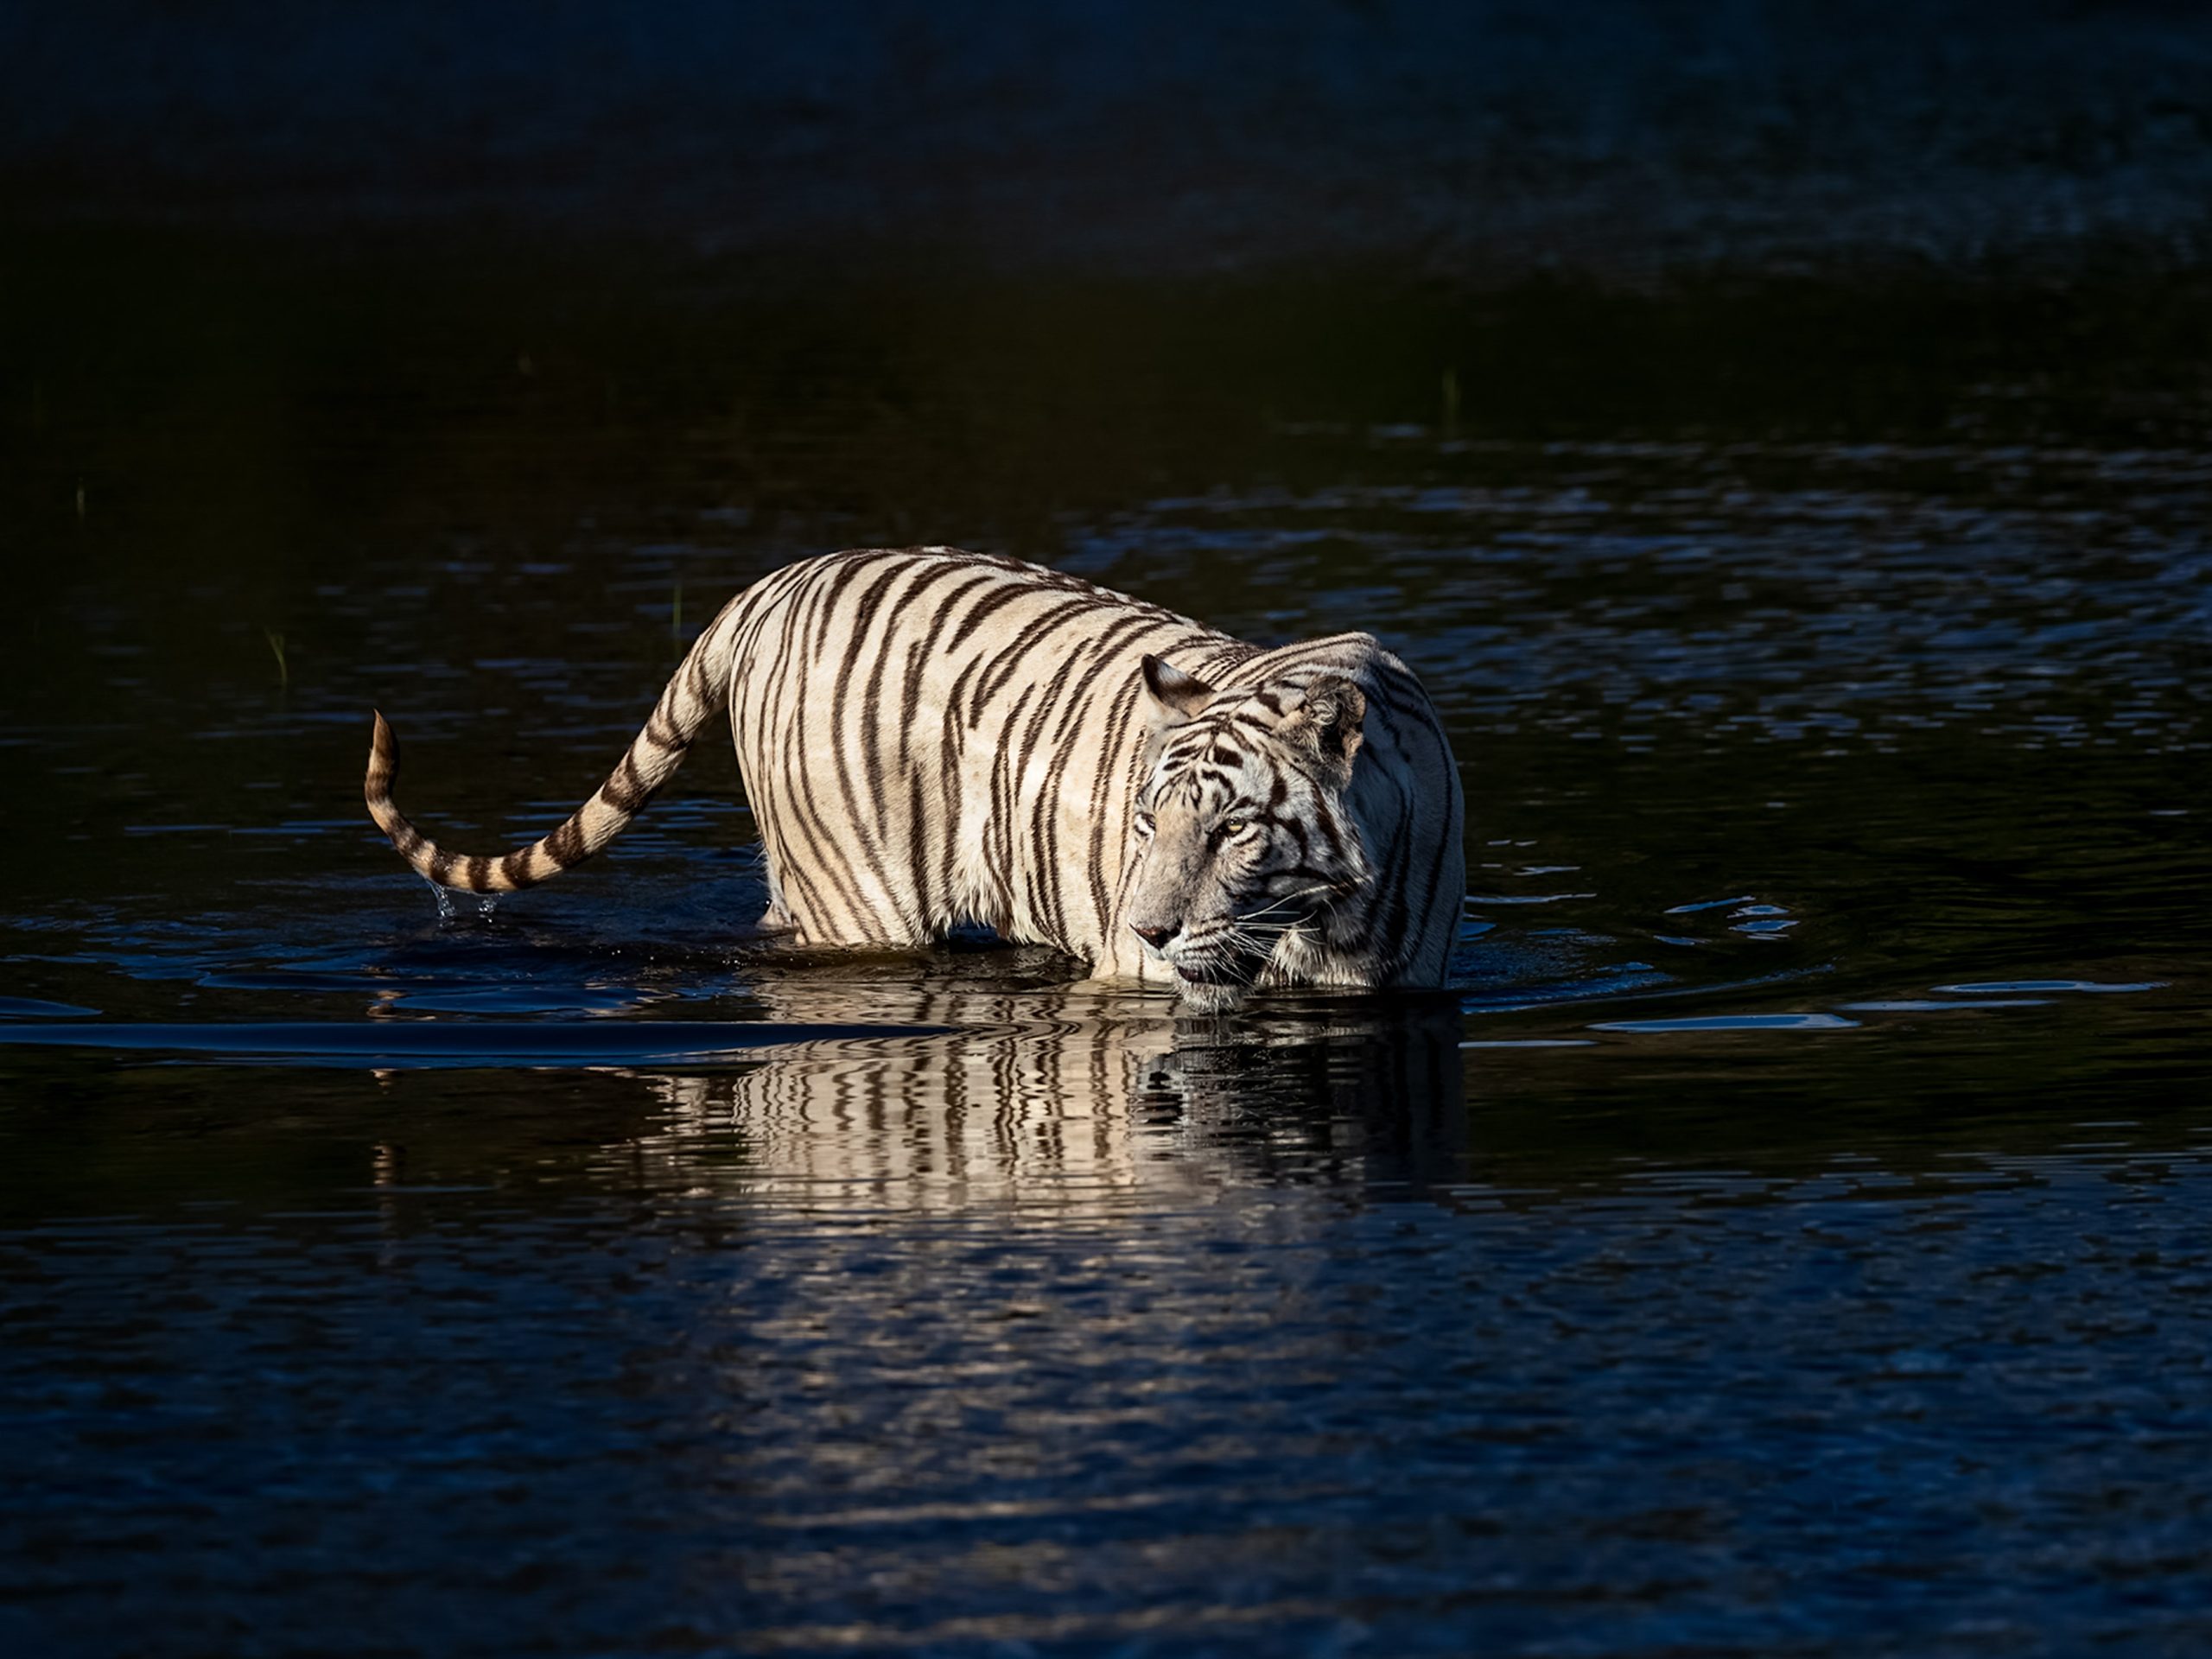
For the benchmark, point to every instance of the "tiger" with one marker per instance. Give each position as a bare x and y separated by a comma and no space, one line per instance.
930,738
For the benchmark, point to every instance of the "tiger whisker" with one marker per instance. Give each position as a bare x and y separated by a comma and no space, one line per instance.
1291,898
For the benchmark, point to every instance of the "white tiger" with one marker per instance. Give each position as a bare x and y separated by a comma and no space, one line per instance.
930,737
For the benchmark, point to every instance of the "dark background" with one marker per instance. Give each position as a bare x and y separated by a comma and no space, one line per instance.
950,271
1618,137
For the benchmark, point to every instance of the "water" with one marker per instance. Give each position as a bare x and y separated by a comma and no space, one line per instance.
1786,1236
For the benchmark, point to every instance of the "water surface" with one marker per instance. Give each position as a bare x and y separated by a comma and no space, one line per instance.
1787,1235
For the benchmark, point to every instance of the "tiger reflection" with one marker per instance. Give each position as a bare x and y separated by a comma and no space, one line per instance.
1075,1097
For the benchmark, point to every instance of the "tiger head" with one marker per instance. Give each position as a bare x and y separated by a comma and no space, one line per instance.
1246,841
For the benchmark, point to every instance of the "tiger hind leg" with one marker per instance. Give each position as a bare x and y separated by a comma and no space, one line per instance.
848,923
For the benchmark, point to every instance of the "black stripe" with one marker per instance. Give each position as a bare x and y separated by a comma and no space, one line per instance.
1009,825
623,790
857,643
924,651
1044,819
956,699
1068,735
1115,786
951,752
999,810
984,609
784,715
565,846
918,860
1022,650
828,863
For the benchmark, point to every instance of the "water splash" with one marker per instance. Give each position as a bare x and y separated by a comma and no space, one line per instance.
453,905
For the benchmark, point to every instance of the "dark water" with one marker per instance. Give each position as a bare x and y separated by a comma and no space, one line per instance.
1790,1236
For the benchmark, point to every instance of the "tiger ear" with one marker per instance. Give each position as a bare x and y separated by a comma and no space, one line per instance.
1175,696
1326,723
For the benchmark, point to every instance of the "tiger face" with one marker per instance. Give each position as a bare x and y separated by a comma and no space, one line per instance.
1246,844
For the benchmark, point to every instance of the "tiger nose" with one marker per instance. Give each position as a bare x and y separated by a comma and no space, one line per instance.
1156,938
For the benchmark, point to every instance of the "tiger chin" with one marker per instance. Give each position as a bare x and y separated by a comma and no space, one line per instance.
931,738
1222,986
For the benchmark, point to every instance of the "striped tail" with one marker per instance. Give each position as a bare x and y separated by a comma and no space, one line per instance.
697,691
